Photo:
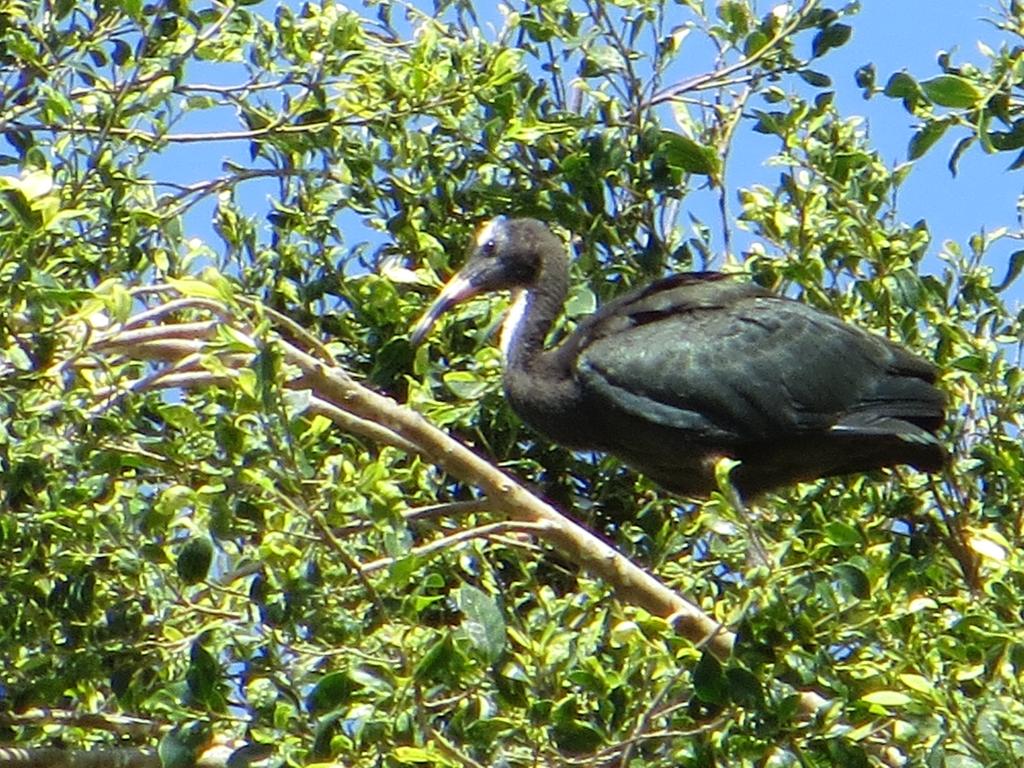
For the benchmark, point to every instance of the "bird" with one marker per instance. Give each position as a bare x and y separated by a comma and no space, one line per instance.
674,376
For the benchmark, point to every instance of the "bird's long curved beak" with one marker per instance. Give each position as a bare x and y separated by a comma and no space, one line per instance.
455,290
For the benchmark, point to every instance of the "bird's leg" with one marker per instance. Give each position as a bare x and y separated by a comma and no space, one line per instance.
757,554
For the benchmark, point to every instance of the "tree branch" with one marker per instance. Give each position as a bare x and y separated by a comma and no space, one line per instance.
345,400
358,409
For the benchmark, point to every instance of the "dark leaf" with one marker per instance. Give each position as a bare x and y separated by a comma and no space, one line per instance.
122,52
745,689
436,660
865,77
181,745
854,578
831,37
999,105
203,678
325,730
817,79
709,682
577,737
1013,271
1008,140
958,150
901,85
773,123
970,363
924,138
818,18
194,560
250,753
333,690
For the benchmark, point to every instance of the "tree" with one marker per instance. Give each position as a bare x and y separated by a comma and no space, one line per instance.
221,533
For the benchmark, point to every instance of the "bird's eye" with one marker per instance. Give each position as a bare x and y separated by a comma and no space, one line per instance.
488,248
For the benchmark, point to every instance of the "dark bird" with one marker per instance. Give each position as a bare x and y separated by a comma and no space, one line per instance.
695,367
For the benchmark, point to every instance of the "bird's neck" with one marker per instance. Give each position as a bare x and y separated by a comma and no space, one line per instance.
527,325
522,336
539,383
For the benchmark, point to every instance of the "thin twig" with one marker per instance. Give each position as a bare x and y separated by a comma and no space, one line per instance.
712,79
467,534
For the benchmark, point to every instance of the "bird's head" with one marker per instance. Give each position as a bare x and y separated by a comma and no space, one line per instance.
506,254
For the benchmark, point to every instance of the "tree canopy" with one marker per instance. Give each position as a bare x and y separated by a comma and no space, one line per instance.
239,520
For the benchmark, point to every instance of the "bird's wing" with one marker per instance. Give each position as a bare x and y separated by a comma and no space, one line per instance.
729,361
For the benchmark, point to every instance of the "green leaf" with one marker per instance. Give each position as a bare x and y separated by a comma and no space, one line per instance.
924,138
416,756
465,385
971,363
485,731
773,123
484,623
917,683
843,534
951,91
755,41
181,745
854,578
581,302
687,155
602,60
902,86
887,698
436,660
506,67
160,88
194,288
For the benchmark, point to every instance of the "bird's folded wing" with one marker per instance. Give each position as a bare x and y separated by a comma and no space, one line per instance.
740,364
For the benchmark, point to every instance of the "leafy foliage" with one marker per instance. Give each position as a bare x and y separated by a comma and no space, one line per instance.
196,545
983,102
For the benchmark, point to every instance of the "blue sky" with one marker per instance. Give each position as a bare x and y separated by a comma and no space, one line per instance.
908,34
896,35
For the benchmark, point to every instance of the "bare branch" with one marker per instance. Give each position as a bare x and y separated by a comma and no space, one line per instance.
719,77
123,725
51,757
467,534
355,407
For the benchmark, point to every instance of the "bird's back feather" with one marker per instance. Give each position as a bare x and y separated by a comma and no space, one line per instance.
719,367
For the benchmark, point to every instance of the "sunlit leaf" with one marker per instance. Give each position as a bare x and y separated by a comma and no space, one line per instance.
887,698
951,91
